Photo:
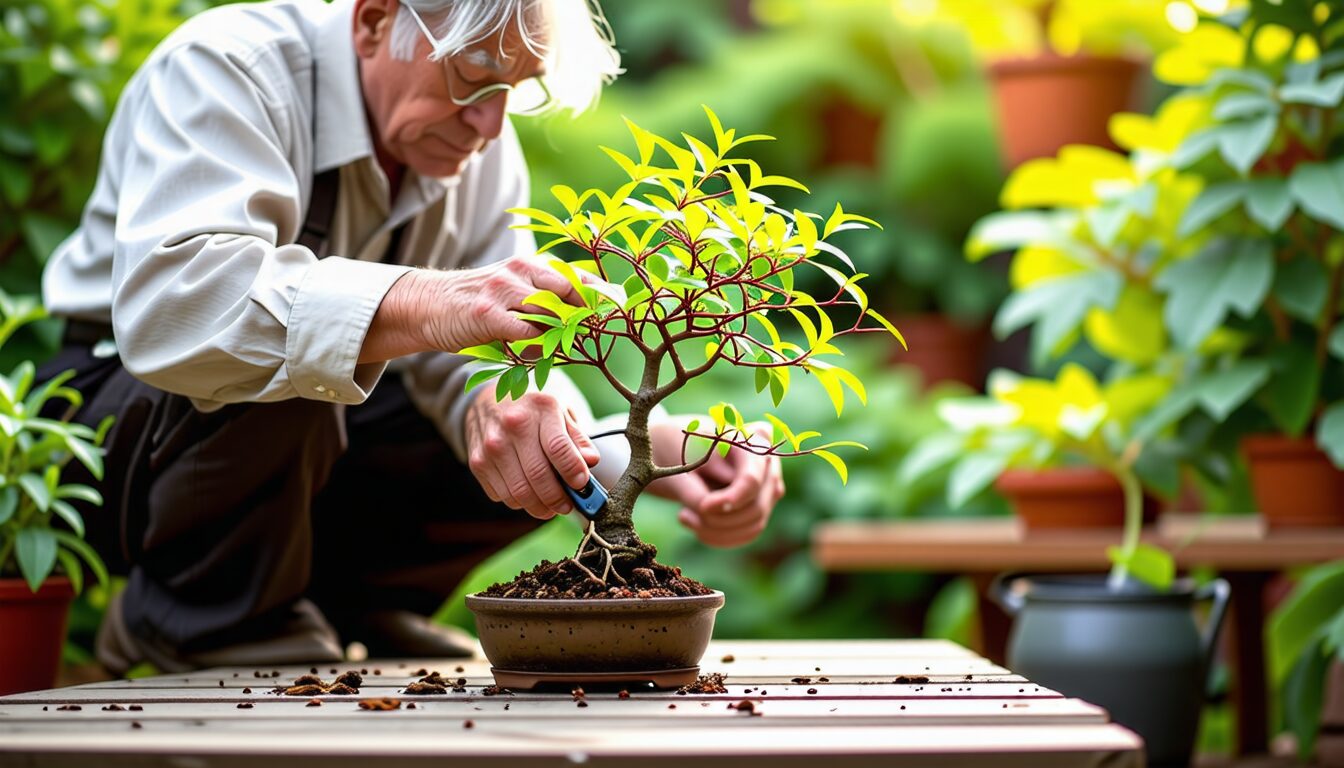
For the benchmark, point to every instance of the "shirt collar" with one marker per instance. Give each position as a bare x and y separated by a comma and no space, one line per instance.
341,129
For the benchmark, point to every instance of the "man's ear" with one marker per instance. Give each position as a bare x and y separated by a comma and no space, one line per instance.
373,25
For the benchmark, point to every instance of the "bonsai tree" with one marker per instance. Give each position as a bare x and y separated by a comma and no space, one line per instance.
1038,423
689,264
39,527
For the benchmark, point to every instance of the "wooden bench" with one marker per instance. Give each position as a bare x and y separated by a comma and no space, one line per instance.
826,703
1241,549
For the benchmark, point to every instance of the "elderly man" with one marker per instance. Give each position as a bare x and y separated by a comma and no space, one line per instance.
293,194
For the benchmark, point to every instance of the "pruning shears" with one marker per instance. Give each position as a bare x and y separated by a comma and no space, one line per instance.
590,499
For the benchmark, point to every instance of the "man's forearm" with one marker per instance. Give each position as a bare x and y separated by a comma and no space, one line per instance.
398,328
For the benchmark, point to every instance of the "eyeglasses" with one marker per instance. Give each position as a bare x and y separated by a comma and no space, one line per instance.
527,97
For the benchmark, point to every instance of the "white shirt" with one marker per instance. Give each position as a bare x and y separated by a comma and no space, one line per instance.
187,245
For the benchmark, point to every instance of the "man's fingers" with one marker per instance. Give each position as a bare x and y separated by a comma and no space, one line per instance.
721,537
558,443
591,455
547,497
744,488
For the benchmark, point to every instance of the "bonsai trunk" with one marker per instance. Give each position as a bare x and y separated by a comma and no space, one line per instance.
615,522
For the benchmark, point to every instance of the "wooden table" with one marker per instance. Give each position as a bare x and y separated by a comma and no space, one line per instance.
1241,549
969,710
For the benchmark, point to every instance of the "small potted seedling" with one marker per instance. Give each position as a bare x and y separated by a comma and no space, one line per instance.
41,532
1127,641
691,266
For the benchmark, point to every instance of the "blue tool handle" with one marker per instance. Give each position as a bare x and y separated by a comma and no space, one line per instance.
590,499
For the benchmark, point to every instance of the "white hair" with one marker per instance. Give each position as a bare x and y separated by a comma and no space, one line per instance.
577,44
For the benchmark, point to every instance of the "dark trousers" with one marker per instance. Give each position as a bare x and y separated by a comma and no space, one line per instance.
222,520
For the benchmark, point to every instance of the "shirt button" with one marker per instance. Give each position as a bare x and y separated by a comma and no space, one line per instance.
320,389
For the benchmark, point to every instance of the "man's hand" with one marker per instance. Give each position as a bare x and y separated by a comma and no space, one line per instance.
450,311
515,448
728,501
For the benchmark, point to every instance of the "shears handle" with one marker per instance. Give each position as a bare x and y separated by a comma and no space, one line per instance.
590,499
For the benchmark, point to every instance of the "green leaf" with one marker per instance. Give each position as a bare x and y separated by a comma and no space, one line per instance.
1147,563
1290,395
1057,307
37,490
1211,203
973,474
43,233
494,352
1269,202
70,565
88,455
542,371
930,455
1243,143
510,380
82,548
1241,104
1300,286
1222,392
1321,93
1220,278
35,549
69,515
1337,342
1303,694
1330,433
1318,189
9,502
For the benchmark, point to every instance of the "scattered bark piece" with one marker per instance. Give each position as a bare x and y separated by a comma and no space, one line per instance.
314,703
301,690
728,658
411,705
133,708
812,691
711,683
434,678
577,693
582,703
421,688
244,705
459,669
341,689
823,679
351,678
421,672
114,708
135,724
491,690
671,706
69,708
313,670
911,679
247,690
468,724
309,680
623,694
746,705
802,680
384,704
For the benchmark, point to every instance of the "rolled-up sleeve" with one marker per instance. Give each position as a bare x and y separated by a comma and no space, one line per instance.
436,381
211,297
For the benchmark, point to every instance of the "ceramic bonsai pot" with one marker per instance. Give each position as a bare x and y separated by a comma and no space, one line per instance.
1135,651
32,633
1045,102
1064,497
656,640
1295,483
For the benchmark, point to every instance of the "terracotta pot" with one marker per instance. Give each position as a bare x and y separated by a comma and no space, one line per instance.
1064,497
1295,484
597,639
32,633
1045,102
942,350
849,135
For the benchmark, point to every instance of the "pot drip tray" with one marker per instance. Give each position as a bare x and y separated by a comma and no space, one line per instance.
662,678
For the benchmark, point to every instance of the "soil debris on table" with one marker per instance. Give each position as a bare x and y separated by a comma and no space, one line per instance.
637,576
136,708
114,708
346,684
136,724
244,705
801,680
746,705
468,724
385,704
491,690
911,679
69,708
728,658
711,683
421,688
314,703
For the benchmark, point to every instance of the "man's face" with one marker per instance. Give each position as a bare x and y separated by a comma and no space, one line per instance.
411,111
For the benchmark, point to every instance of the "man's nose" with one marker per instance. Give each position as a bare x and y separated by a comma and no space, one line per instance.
486,117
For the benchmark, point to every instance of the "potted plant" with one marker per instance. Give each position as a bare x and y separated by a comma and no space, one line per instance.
1059,69
1211,254
695,272
40,530
1127,641
1306,650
